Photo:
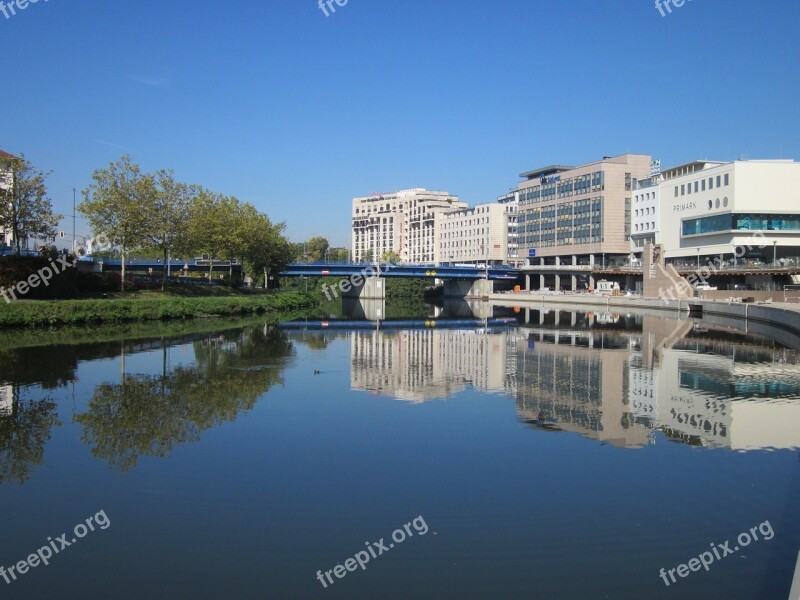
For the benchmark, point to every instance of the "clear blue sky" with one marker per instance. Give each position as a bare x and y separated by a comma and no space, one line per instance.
297,112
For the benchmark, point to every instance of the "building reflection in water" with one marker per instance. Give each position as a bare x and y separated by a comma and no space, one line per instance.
611,378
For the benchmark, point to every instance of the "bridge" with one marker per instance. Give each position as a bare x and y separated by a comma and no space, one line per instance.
367,281
389,270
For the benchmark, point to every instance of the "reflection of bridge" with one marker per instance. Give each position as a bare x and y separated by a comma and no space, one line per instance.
398,324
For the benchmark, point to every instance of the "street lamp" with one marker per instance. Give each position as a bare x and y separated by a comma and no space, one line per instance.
698,258
774,253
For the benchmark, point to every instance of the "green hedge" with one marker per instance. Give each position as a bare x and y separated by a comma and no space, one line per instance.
72,312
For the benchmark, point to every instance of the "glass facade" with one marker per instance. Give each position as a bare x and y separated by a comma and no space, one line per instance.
564,224
741,222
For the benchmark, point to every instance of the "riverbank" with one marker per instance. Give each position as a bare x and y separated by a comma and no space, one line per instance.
36,313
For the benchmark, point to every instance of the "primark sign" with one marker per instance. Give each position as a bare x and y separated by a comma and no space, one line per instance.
684,207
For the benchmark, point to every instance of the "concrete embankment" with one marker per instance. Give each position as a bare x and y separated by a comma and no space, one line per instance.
778,321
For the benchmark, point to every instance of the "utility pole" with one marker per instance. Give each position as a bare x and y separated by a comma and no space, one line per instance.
74,239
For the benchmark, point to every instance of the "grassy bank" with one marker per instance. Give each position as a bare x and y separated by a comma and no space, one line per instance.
125,310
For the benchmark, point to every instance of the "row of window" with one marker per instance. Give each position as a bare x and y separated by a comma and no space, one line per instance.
700,185
740,222
594,182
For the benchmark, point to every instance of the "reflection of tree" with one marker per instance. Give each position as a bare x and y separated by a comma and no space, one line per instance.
23,436
147,415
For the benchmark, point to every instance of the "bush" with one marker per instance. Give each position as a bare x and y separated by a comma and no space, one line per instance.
71,312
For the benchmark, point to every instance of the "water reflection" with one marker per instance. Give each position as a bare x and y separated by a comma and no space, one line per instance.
617,379
147,415
25,429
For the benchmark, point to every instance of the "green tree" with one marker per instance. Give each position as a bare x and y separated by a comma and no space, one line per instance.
368,256
114,205
25,209
342,255
316,248
267,250
166,211
218,226
390,257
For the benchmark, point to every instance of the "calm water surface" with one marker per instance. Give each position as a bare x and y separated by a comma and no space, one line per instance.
543,454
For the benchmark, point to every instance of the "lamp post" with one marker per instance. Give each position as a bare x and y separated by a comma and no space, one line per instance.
774,253
698,258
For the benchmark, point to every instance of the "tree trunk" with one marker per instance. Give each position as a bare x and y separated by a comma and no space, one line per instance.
164,277
122,279
15,212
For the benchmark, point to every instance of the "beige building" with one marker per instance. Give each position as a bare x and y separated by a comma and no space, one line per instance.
578,215
484,233
404,222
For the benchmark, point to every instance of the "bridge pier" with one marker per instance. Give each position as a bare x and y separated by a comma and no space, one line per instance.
365,288
461,288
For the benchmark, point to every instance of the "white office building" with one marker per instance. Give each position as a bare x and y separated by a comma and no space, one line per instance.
404,222
484,234
704,210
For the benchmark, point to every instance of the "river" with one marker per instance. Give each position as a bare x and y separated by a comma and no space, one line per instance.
517,453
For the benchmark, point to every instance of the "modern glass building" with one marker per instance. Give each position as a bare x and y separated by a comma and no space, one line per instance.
578,215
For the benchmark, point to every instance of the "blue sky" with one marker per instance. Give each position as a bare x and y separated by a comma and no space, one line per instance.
297,112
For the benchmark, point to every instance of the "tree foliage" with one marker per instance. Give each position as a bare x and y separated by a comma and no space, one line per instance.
25,209
390,257
116,205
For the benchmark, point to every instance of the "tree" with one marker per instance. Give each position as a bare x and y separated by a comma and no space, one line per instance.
218,226
25,208
368,256
390,257
167,216
342,255
266,249
114,205
316,248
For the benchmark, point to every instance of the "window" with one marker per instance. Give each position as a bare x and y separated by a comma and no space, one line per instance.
725,202
719,180
711,183
706,225
676,191
727,180
710,204
696,184
716,204
683,190
704,185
